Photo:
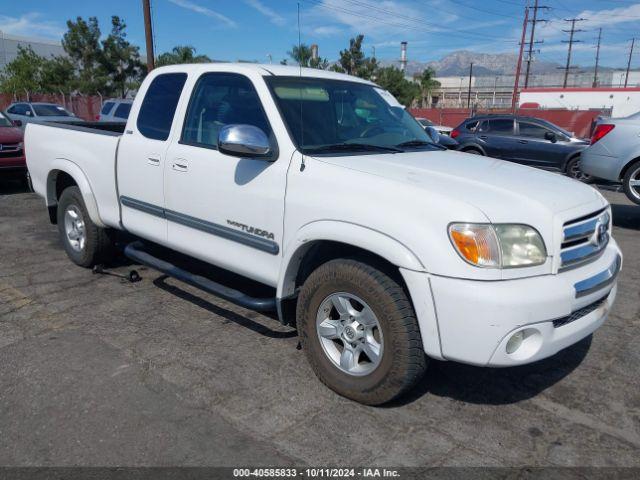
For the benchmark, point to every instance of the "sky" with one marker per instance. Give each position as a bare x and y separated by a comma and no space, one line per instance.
260,30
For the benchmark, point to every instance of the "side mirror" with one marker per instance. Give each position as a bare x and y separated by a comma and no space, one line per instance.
241,140
17,123
551,137
433,134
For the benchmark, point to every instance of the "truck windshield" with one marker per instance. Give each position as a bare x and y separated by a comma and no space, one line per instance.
334,116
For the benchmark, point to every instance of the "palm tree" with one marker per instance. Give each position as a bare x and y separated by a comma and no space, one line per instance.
427,83
181,54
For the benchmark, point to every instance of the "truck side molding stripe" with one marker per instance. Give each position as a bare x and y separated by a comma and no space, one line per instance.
247,239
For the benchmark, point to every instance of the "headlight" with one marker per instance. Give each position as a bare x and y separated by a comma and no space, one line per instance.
498,246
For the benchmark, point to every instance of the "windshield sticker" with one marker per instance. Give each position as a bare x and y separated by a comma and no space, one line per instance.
390,99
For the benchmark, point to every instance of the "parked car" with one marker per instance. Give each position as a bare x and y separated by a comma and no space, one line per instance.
614,154
116,110
526,140
442,129
379,246
28,112
12,161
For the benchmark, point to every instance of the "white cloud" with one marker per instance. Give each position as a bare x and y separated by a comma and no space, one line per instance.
273,17
326,31
204,11
30,25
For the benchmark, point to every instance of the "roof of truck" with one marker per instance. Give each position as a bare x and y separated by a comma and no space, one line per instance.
266,70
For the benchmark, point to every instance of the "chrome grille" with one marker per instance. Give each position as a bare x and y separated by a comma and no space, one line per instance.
584,239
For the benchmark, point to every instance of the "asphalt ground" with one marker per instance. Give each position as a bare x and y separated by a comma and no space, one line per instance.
98,371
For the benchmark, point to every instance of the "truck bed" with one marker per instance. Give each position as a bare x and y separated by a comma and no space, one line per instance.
87,152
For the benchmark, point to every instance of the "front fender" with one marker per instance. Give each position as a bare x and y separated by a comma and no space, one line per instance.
67,166
344,232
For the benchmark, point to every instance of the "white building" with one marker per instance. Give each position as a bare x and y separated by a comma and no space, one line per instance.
621,101
9,47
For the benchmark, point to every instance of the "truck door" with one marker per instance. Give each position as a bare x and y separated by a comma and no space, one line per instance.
223,209
141,158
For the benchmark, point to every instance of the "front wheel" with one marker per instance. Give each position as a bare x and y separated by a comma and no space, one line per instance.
631,183
359,332
575,171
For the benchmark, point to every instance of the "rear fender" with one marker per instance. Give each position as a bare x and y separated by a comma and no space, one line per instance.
67,166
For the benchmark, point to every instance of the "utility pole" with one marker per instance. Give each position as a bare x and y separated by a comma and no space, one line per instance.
532,41
469,93
146,7
626,77
595,73
514,97
571,41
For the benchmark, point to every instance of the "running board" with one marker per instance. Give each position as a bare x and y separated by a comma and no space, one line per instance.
135,251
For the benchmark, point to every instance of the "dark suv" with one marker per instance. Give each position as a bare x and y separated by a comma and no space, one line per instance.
527,140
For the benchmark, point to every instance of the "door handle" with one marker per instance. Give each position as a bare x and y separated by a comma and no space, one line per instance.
153,160
483,137
523,141
180,165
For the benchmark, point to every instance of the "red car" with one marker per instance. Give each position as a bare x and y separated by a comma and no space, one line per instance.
12,160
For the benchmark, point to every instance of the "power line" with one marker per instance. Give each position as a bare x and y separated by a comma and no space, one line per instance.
571,41
532,41
626,77
595,73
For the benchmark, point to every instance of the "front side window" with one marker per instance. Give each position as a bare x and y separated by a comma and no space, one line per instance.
159,105
106,108
532,130
501,126
122,111
50,110
330,116
221,99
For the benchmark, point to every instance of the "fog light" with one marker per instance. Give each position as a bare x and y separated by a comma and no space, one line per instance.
515,341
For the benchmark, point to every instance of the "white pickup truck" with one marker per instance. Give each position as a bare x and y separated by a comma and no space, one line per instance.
381,247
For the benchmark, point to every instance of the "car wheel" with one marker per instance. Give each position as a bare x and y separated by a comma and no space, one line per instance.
574,171
27,182
86,244
359,332
631,183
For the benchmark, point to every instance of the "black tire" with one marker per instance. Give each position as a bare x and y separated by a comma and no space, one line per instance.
403,361
633,173
27,182
574,171
98,245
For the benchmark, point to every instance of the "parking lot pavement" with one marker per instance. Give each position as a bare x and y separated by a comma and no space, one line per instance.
98,371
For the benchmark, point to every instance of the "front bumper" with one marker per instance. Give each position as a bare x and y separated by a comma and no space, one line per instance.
476,319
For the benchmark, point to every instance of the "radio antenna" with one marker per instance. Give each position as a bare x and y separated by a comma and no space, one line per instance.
302,165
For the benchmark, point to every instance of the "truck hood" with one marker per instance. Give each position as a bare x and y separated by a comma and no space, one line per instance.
503,191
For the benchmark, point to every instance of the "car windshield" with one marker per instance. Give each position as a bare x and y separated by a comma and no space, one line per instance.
4,121
50,110
335,116
424,122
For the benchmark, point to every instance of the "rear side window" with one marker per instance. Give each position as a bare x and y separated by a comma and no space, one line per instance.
106,108
501,126
221,99
472,126
19,109
123,111
159,105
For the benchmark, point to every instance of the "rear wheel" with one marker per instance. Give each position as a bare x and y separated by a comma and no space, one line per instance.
86,244
574,171
631,183
359,332
473,151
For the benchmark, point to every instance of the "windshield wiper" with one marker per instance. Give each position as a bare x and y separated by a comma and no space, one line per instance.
417,143
352,147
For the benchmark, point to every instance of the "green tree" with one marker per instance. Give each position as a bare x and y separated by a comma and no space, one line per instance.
57,75
23,73
427,83
393,80
120,61
354,62
181,54
303,56
82,45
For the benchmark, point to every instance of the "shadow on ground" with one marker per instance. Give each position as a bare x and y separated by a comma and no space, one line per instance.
626,216
11,187
497,386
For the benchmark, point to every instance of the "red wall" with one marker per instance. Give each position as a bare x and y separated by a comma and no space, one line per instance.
578,121
86,107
